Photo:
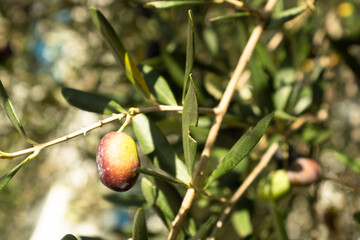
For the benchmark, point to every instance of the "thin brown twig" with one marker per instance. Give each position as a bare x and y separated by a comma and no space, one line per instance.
240,5
212,197
298,123
177,223
82,131
236,3
264,161
85,130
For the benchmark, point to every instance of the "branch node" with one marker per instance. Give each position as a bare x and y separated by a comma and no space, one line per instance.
84,131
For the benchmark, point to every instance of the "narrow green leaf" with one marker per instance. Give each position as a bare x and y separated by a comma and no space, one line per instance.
158,175
69,237
139,231
211,40
352,163
266,58
281,97
230,16
284,115
241,148
166,201
158,85
260,83
91,102
171,4
174,69
287,15
283,83
10,112
118,50
190,119
4,180
305,100
204,229
356,217
155,145
190,53
214,85
241,221
315,134
157,199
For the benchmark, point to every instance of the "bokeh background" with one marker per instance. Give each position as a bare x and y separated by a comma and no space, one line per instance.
47,45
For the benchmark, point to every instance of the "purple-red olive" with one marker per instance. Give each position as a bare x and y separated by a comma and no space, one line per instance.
304,171
116,160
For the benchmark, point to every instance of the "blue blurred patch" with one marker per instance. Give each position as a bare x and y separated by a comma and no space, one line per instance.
63,16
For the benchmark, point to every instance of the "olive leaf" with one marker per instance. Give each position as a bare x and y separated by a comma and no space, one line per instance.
91,102
281,18
171,4
190,119
156,174
155,145
241,149
139,231
4,180
190,53
10,112
119,51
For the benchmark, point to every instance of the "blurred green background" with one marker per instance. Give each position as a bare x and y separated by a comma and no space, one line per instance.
47,45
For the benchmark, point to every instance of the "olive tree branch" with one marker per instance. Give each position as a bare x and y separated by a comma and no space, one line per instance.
220,110
236,3
211,196
264,161
80,132
85,130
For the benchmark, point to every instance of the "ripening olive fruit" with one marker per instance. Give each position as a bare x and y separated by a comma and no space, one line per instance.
304,171
274,186
116,160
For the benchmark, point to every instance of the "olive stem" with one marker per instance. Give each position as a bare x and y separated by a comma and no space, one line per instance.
127,121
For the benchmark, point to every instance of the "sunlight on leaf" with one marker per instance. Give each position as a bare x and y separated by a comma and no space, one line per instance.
287,15
158,85
119,51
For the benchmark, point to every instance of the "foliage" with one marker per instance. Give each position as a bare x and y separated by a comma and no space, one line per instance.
209,94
